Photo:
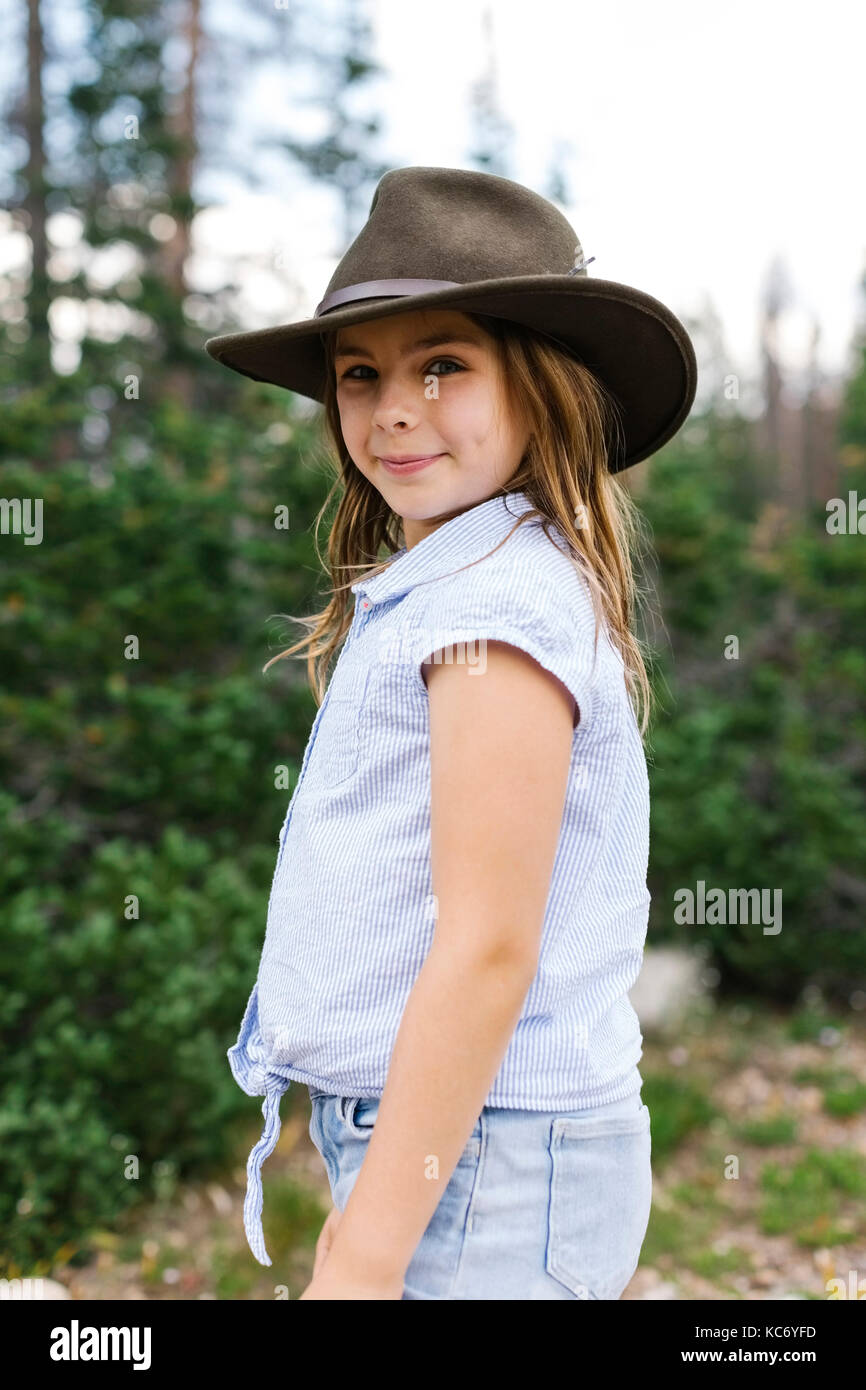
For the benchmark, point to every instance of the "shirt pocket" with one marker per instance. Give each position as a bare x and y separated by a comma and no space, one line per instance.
341,734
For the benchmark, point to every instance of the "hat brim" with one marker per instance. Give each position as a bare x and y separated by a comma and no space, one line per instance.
634,344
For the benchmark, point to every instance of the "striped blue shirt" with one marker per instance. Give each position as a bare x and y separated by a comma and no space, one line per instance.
351,914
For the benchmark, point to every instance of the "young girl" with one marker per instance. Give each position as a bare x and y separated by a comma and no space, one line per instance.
459,905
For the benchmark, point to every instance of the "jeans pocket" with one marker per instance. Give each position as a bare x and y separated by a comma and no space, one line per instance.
358,1114
600,1199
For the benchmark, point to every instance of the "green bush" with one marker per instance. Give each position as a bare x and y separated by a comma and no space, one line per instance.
115,1030
757,763
153,777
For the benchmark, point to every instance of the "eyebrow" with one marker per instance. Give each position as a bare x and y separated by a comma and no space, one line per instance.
434,340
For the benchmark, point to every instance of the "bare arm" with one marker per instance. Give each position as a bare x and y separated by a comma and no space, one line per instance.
500,745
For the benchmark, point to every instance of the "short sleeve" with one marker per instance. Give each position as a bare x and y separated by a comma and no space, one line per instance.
555,628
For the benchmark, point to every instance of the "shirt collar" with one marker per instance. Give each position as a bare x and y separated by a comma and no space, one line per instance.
453,544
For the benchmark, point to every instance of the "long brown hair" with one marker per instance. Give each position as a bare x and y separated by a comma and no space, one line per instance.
573,423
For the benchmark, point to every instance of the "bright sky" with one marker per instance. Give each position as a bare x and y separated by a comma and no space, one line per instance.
701,141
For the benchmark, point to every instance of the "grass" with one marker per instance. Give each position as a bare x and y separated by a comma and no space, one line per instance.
293,1220
804,1200
848,1098
802,1197
777,1129
677,1108
844,1092
813,1025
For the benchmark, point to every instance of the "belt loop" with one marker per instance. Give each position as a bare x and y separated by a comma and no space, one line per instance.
275,1087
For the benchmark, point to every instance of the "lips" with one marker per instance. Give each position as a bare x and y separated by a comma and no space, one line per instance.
408,464
407,458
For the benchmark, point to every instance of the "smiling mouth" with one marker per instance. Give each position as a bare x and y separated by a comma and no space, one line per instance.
410,465
409,458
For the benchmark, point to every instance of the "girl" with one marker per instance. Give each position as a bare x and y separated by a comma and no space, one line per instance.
459,905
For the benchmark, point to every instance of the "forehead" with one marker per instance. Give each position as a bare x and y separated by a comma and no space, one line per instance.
405,331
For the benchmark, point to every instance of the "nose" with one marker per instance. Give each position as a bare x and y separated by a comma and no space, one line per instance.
394,405
393,417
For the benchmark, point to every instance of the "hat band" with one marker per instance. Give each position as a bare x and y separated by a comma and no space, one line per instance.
381,289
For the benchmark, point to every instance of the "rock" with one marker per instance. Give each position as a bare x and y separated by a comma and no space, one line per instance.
666,987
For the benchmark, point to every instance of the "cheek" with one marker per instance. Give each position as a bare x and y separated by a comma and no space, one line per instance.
469,414
354,423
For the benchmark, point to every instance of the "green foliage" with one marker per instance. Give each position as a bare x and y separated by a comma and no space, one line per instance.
779,1129
677,1107
140,808
115,1029
809,1024
757,761
806,1198
847,1099
844,1092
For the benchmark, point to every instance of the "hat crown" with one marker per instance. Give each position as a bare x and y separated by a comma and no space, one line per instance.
457,225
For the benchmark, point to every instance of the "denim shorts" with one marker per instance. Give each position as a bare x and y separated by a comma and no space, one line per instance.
541,1204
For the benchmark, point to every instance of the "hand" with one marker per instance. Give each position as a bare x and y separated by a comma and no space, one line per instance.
339,1283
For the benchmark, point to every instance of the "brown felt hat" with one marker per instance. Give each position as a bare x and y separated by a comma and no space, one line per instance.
462,239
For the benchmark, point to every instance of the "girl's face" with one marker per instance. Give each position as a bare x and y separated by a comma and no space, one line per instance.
427,383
